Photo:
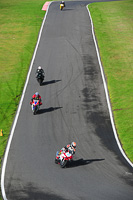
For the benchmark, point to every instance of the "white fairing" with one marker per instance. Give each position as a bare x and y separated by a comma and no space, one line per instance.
32,106
63,155
68,154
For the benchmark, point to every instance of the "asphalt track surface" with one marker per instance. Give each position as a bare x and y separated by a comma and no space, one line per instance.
74,109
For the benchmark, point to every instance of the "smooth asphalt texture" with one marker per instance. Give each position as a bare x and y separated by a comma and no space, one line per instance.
74,109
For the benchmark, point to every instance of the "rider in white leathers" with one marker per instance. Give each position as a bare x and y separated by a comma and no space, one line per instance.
70,147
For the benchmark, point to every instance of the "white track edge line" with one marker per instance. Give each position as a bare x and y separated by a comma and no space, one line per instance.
18,111
106,92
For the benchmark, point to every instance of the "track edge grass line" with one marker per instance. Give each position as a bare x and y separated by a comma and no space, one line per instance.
107,93
3,168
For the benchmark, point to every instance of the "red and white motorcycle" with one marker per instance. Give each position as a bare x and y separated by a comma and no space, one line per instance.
63,158
35,105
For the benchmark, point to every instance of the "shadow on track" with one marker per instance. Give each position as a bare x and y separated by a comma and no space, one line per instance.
45,110
50,82
76,163
66,9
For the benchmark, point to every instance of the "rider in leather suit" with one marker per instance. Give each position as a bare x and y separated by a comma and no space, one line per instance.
70,147
62,2
40,70
36,96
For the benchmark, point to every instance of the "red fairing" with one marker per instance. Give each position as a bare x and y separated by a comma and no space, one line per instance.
37,102
65,156
35,96
68,158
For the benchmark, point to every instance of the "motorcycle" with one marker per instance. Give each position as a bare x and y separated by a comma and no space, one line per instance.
63,158
61,6
35,106
40,78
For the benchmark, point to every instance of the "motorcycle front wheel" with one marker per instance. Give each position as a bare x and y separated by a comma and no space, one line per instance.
34,111
40,81
63,163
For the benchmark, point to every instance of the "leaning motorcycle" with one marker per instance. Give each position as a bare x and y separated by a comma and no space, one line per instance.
35,106
63,158
61,6
40,78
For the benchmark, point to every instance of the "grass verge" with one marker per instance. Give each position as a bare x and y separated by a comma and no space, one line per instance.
20,24
114,32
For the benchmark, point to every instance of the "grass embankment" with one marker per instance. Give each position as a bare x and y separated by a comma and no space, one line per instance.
113,22
19,28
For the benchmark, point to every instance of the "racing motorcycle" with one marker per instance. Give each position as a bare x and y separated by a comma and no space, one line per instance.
61,6
40,78
63,158
35,106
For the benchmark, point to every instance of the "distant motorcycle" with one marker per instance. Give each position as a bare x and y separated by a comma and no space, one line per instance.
61,6
40,78
35,106
63,158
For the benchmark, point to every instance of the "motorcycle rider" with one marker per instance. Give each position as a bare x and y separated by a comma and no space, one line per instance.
70,147
62,2
40,70
36,96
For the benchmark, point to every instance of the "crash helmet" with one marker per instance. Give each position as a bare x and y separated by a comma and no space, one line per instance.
39,67
37,94
73,144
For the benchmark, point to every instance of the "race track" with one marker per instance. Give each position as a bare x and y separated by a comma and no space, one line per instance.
74,109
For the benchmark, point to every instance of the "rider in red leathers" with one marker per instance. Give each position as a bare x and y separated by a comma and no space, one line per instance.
36,96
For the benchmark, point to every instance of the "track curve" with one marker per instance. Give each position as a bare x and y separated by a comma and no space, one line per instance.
74,109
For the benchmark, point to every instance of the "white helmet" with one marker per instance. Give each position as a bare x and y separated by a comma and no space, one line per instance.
39,67
73,144
37,94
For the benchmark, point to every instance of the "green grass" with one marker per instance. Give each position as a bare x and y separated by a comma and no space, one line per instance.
19,28
114,33
20,24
